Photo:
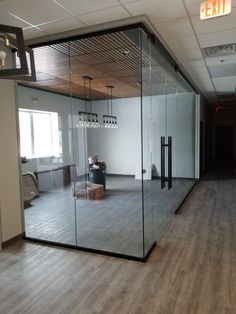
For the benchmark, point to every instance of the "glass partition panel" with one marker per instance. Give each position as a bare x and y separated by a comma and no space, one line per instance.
107,142
147,165
44,119
172,142
159,184
181,129
107,137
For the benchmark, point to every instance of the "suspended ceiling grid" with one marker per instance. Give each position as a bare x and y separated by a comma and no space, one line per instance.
177,22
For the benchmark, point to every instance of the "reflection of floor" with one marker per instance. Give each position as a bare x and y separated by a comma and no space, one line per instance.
112,224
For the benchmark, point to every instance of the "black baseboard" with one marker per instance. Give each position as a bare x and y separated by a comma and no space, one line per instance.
120,175
108,175
101,252
173,178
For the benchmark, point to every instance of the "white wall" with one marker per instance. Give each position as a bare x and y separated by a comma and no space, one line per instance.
10,203
120,148
178,123
34,99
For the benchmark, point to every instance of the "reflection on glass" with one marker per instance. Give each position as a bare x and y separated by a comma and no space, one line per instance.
94,163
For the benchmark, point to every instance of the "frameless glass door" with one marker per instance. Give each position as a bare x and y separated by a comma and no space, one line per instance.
168,120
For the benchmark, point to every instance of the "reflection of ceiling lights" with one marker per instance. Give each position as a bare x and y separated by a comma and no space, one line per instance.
218,51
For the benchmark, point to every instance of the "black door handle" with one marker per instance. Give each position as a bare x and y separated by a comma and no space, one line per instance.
169,162
163,176
163,162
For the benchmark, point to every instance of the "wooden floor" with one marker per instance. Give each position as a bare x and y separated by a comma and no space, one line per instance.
192,272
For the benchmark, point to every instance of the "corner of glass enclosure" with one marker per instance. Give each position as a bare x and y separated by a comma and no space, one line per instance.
106,160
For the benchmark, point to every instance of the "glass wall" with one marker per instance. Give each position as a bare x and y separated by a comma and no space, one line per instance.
48,160
106,159
108,197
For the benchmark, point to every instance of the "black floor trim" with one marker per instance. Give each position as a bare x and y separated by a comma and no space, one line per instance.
101,252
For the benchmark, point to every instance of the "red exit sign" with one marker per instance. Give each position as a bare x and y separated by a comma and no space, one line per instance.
214,8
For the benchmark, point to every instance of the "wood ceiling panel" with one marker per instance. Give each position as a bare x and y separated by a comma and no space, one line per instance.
110,59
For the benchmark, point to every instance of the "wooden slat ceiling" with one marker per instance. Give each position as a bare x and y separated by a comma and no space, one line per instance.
110,59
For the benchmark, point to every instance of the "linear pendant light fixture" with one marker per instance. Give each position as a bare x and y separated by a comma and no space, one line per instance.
87,118
109,120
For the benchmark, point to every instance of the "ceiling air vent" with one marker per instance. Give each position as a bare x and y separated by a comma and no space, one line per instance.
218,51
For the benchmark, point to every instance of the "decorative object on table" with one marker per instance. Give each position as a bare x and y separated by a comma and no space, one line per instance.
88,190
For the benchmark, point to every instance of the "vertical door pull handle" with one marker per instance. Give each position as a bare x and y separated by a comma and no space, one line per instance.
163,176
169,162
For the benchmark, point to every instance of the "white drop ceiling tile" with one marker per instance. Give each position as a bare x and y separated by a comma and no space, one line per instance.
61,26
203,82
216,24
193,6
218,60
32,33
35,11
189,54
221,70
184,43
7,19
197,63
225,84
80,7
158,10
199,74
175,28
128,1
202,72
206,88
103,16
217,38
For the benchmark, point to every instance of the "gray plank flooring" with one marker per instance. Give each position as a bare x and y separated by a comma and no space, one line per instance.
112,224
193,271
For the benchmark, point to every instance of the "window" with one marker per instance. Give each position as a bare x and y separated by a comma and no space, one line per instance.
39,134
